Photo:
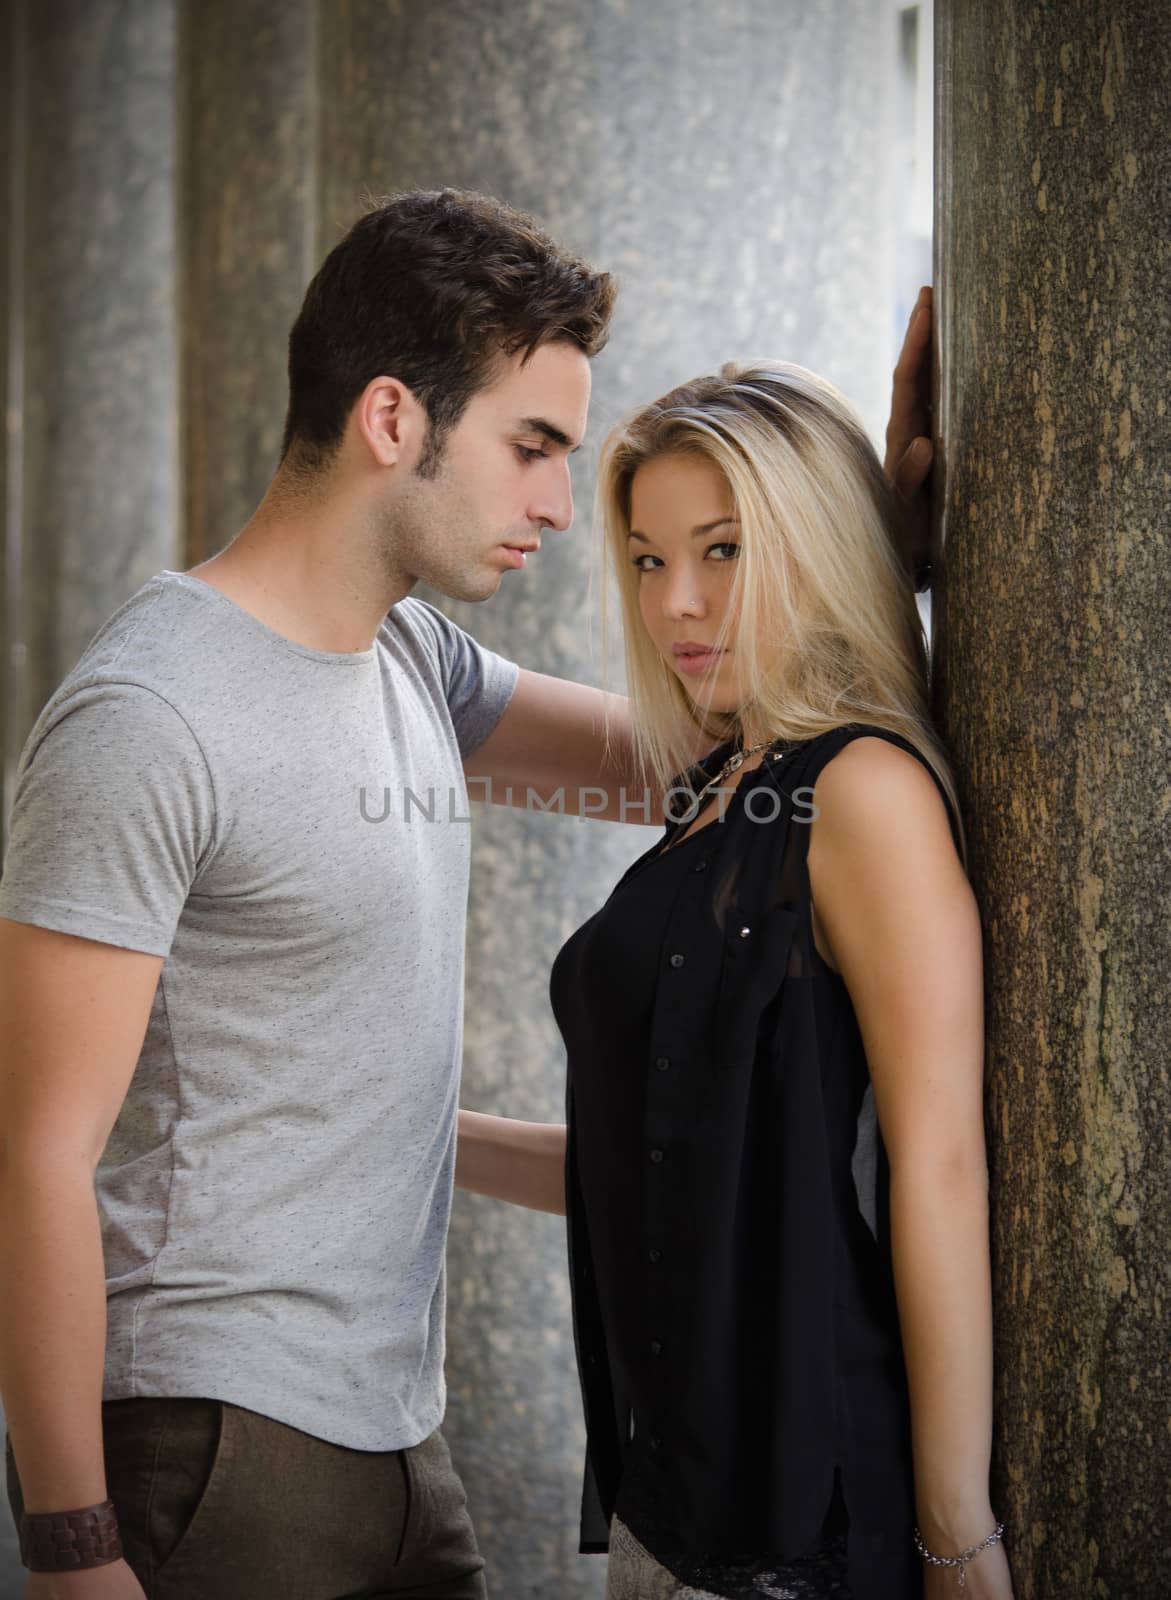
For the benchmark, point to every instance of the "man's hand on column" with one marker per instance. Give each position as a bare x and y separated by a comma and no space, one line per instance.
908,436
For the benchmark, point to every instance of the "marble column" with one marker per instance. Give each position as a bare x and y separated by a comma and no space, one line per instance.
1053,653
732,165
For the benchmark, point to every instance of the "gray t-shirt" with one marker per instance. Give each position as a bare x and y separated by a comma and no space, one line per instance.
289,828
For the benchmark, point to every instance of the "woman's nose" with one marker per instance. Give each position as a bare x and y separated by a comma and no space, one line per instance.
682,597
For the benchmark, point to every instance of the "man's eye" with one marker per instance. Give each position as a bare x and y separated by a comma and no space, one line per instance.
528,454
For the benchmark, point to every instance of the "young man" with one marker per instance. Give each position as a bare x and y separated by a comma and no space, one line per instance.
231,996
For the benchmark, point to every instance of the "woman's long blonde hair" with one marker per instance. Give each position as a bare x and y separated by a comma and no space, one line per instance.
820,578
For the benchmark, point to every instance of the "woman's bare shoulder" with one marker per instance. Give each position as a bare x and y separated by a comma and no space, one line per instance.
870,779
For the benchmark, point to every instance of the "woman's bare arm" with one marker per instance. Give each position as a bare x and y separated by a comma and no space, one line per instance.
904,931
522,1162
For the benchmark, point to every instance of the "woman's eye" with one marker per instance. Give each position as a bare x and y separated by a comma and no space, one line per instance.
637,563
528,454
732,547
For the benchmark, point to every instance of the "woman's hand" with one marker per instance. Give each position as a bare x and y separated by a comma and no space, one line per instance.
986,1577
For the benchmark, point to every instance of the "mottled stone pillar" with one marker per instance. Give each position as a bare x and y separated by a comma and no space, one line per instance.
94,435
731,165
1053,649
246,205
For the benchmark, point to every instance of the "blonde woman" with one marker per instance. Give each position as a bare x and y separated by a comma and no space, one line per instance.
774,1166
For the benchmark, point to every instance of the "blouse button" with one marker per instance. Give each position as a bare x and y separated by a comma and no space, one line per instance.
744,932
657,1157
662,1063
654,1256
676,960
700,866
655,1442
656,1347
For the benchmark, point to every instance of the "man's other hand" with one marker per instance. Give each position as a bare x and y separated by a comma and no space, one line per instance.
908,434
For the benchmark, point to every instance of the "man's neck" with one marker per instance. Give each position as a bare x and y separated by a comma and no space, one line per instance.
307,573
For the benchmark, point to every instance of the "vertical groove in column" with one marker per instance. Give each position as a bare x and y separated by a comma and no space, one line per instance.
246,223
98,391
1053,655
13,155
942,284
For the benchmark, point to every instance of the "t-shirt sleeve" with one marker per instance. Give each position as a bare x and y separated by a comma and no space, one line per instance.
477,683
113,814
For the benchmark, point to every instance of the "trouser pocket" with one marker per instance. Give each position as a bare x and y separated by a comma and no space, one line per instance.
161,1458
187,1469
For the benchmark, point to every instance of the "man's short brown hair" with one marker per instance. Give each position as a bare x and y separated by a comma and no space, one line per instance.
432,288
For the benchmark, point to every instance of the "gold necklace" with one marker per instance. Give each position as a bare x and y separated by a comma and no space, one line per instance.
733,764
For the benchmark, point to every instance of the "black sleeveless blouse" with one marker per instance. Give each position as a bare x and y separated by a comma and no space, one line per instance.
734,1307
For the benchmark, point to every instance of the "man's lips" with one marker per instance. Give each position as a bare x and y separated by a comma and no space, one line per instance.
517,552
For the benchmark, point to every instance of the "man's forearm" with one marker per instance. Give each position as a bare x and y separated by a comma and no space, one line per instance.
939,1227
53,1327
521,1162
566,747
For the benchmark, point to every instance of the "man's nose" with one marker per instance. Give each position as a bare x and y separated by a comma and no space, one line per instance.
554,509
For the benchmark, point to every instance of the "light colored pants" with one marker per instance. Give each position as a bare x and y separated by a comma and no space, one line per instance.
634,1574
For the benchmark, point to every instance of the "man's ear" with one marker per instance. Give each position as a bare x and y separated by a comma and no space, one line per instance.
390,422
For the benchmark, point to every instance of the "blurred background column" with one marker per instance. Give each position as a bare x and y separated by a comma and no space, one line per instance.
246,219
1053,651
91,459
175,169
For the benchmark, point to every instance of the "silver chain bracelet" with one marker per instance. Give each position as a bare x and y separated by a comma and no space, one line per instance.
964,1556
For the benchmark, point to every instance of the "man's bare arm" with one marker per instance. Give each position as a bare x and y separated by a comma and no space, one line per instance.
521,1162
549,750
73,1014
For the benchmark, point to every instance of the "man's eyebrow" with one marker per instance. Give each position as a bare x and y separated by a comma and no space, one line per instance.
704,527
548,431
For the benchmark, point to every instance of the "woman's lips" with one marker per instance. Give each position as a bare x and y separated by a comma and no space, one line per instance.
700,662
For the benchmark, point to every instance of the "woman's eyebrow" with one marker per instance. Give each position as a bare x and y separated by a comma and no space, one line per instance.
704,527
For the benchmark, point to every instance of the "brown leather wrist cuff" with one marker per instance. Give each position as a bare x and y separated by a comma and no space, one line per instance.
67,1541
